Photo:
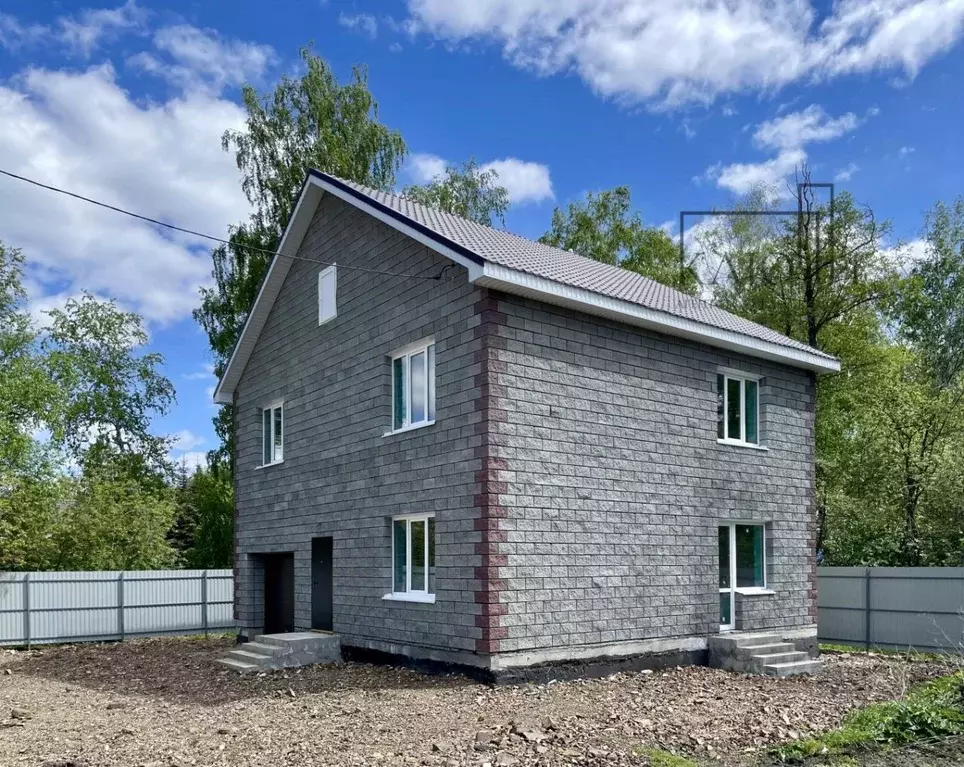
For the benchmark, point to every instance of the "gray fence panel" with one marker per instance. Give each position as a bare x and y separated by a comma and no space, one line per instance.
44,608
893,607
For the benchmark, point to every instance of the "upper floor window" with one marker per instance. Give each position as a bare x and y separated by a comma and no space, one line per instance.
272,433
327,284
737,408
413,386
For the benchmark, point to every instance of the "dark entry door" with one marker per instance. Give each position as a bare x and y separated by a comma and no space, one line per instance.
321,584
279,593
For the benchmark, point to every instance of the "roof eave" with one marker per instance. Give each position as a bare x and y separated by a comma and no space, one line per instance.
520,283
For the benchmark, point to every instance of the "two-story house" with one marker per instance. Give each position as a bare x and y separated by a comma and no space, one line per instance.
459,445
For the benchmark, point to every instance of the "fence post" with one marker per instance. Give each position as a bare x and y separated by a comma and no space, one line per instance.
867,609
26,608
120,604
204,602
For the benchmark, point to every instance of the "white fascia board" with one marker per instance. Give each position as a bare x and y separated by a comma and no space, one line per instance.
520,283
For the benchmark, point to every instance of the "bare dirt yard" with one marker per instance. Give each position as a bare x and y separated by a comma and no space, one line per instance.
165,703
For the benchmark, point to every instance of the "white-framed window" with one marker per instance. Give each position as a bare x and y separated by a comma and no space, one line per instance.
413,386
413,558
272,434
327,290
737,408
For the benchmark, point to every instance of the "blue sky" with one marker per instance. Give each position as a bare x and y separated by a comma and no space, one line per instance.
688,102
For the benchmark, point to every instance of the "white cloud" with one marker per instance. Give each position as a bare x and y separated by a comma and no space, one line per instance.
619,47
85,33
793,130
788,135
741,178
425,167
846,173
81,34
206,374
192,59
14,35
82,131
904,151
185,440
363,23
525,181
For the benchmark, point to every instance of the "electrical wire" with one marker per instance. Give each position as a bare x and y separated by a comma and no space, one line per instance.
211,237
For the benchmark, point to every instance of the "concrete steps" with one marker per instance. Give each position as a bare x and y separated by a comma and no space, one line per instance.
760,653
270,652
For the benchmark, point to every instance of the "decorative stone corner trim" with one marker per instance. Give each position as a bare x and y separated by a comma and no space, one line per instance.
489,483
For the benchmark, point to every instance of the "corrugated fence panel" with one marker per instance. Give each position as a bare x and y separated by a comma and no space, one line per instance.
12,616
893,607
85,606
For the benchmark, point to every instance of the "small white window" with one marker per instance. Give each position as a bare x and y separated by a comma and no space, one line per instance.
413,557
413,386
327,288
737,409
272,433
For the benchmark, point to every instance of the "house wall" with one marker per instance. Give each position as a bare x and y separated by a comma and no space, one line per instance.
615,485
573,469
341,476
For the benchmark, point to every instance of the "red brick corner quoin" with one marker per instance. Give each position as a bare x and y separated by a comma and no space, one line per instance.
488,485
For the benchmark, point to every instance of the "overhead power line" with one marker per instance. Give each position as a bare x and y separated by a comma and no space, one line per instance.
211,237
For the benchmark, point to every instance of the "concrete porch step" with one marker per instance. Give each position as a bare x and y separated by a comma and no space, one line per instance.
248,657
239,666
810,666
759,653
270,652
746,652
779,657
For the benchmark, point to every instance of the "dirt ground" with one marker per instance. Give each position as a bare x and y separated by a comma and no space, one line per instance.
165,703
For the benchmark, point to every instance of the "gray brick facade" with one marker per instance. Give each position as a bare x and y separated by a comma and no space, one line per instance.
573,468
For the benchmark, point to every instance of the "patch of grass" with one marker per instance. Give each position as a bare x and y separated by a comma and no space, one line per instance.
931,710
659,758
909,653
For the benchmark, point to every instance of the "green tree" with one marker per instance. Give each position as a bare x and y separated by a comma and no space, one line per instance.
206,512
114,521
26,390
31,509
802,274
466,191
605,228
928,422
109,389
311,121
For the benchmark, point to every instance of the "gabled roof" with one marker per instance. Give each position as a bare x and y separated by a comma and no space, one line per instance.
507,262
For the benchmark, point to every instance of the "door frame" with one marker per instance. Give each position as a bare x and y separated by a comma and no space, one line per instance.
278,573
730,591
733,589
322,569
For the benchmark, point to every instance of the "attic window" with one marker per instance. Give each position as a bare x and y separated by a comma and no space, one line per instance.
327,282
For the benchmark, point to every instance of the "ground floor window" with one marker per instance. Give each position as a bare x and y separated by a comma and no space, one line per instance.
413,555
742,559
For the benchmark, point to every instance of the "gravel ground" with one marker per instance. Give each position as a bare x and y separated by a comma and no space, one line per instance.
165,703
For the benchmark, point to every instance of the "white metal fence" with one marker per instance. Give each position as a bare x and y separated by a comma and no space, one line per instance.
44,608
893,607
